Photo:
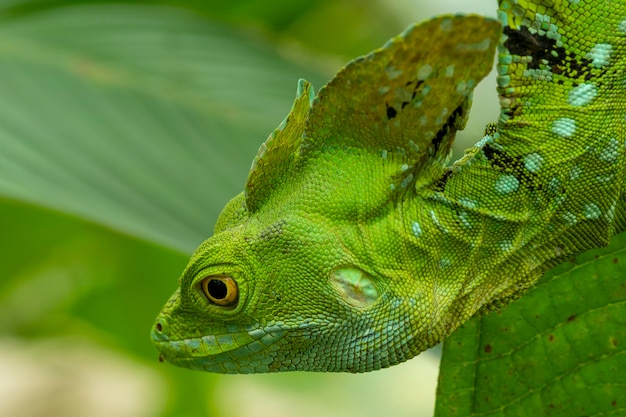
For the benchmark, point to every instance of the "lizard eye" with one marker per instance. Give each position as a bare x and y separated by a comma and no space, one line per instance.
221,291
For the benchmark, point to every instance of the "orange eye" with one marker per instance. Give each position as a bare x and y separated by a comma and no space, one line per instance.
221,291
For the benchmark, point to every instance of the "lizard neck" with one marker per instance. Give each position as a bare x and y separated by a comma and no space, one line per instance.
437,267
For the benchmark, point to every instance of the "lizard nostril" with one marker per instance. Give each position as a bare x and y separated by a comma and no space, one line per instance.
159,327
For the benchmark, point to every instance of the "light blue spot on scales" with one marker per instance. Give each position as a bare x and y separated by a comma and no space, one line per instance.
417,229
465,88
468,202
505,245
442,117
575,172
424,72
393,72
600,55
485,140
436,222
533,162
507,184
610,213
582,95
464,219
564,127
569,219
444,263
592,211
611,152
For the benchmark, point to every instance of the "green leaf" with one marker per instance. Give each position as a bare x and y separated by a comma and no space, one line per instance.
558,351
138,118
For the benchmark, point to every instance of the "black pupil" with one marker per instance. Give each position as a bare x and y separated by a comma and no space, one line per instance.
217,289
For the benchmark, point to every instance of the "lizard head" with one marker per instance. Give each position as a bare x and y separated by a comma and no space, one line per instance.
312,267
282,293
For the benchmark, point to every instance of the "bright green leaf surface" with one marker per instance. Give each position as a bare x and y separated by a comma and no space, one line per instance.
559,351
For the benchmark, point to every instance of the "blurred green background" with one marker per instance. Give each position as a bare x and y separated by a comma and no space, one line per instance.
124,129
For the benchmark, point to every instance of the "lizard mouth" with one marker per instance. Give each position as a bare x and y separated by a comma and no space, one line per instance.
201,346
229,352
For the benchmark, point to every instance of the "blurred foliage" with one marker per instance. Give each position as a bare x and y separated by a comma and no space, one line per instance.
142,92
348,27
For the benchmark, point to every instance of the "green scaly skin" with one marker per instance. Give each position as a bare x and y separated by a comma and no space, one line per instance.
354,247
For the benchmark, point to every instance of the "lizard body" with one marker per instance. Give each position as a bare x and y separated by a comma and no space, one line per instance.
355,247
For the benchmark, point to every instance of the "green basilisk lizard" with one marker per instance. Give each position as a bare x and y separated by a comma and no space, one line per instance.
355,246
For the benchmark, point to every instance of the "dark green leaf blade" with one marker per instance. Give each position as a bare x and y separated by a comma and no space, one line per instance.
558,351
